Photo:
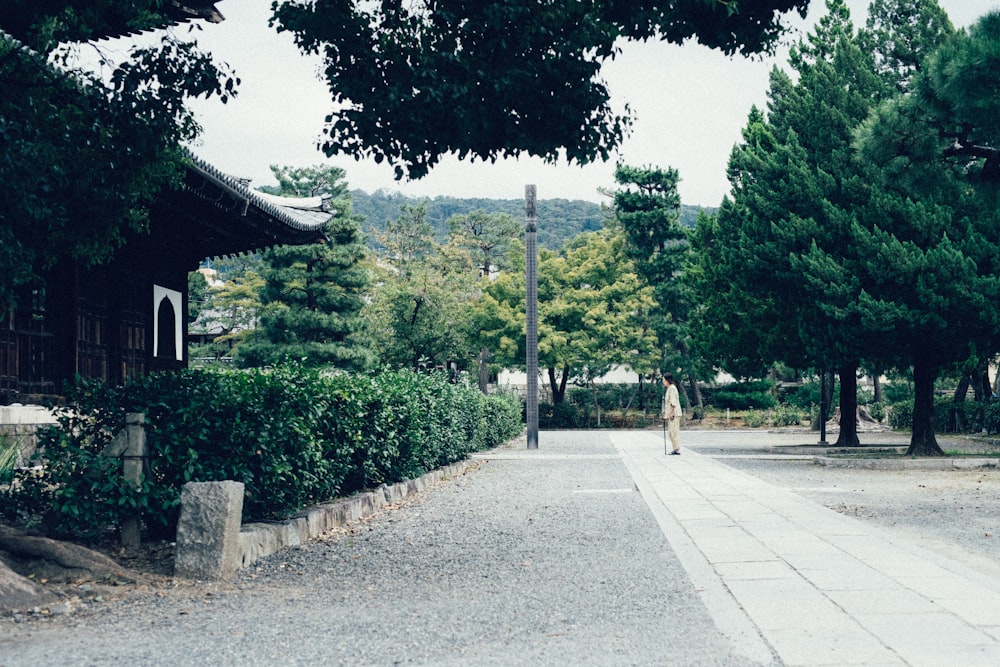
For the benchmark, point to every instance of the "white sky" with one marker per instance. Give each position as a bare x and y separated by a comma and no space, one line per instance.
690,104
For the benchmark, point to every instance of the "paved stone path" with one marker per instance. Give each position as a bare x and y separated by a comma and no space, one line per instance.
781,572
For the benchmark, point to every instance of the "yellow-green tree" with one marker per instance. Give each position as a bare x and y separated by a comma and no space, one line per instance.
589,302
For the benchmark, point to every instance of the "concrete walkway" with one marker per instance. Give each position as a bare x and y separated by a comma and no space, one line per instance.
780,572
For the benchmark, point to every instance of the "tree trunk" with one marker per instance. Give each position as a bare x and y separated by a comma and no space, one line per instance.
877,386
597,407
49,559
695,391
848,436
982,383
922,440
558,387
684,394
484,370
827,380
19,593
962,389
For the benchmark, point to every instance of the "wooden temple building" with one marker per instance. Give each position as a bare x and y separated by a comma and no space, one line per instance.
128,317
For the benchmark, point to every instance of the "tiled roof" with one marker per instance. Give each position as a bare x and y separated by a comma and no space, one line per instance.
305,215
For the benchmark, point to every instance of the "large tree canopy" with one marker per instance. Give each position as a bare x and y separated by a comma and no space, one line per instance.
418,80
410,82
950,114
87,159
811,235
933,242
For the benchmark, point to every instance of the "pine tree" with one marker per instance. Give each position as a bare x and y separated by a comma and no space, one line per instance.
647,206
313,294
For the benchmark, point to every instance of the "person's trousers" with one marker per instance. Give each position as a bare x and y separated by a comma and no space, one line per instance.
674,431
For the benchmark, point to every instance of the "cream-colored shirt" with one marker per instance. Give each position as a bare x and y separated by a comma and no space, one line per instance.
671,403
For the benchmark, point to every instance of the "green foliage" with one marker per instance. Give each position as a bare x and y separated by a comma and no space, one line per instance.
757,394
87,160
229,310
777,416
949,416
877,410
10,454
292,435
838,261
588,299
991,417
561,415
313,294
787,415
803,395
412,82
418,316
961,417
647,206
897,392
79,492
900,414
487,237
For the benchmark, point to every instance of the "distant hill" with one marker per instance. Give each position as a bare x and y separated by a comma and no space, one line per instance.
558,219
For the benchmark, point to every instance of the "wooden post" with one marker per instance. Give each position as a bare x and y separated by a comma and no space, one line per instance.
531,312
130,446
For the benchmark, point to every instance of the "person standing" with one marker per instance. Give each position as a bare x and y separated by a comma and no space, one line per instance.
672,412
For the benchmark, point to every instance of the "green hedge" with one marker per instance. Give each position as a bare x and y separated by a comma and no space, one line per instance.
754,395
293,436
949,416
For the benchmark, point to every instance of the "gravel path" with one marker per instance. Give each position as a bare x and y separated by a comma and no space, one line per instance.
554,560
546,558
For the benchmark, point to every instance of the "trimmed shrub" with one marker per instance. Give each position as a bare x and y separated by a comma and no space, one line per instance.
293,436
755,395
781,415
561,415
803,395
787,415
901,414
991,417
962,417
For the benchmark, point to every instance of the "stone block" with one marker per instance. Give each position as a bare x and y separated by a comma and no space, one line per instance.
208,532
256,541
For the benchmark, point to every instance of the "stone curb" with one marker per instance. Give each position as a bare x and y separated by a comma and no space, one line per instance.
258,540
964,463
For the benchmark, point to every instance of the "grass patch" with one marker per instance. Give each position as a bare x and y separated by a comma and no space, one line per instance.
10,453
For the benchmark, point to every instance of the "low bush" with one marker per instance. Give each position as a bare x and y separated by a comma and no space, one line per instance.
962,417
900,414
897,391
804,395
787,415
293,436
949,416
755,395
561,415
780,415
991,417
